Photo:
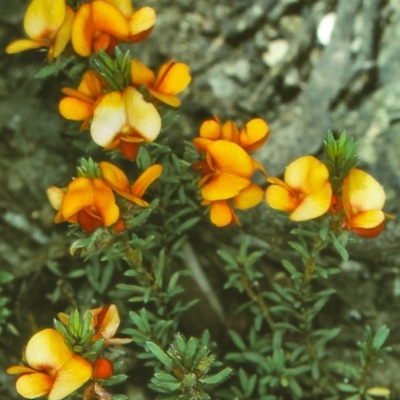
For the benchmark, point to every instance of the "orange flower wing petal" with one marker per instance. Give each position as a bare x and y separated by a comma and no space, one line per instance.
254,134
306,174
313,205
223,186
108,19
83,30
34,385
63,34
44,17
142,116
201,144
210,129
248,197
221,213
113,176
78,196
280,198
229,157
141,74
230,132
46,350
169,99
108,119
174,80
70,377
74,109
141,23
146,179
22,45
109,325
364,192
368,219
104,202
125,6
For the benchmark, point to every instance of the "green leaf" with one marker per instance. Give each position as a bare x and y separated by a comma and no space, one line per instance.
345,387
380,337
163,357
217,378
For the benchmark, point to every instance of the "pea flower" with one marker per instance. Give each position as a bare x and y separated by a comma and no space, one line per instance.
105,321
251,137
79,104
171,79
52,369
87,202
47,23
363,200
117,180
123,120
305,191
102,24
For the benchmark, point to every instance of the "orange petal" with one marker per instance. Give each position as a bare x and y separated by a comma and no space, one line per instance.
108,321
19,369
280,198
371,232
248,197
314,204
146,179
221,213
44,17
113,176
254,134
141,23
83,30
368,219
364,192
230,132
125,6
70,377
210,129
306,174
22,45
142,116
129,150
174,79
108,19
228,157
47,351
108,120
169,99
63,34
201,144
74,109
104,202
34,385
91,84
223,186
141,74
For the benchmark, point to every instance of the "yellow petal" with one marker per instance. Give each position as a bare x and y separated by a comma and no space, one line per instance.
19,369
280,198
83,30
91,84
221,213
172,78
108,19
108,119
104,202
22,45
169,99
113,176
201,144
306,174
254,134
230,132
63,34
141,23
142,116
55,196
364,192
108,321
46,350
367,219
141,74
44,17
228,157
146,179
125,6
248,197
210,129
74,109
70,377
313,205
78,196
223,186
34,385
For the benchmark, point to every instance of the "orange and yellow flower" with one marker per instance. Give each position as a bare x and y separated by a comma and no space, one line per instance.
305,191
52,369
124,120
87,202
47,23
79,104
250,138
363,199
117,180
102,24
226,181
171,79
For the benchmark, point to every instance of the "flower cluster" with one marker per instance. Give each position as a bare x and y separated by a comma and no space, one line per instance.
52,364
93,26
228,168
90,201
